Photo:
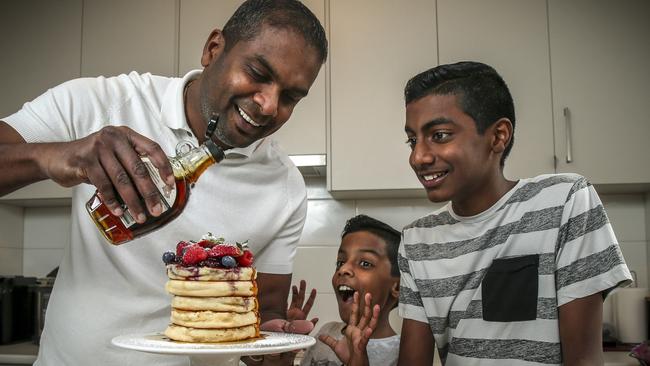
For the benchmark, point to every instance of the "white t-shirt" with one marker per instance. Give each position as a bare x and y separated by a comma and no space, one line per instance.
103,291
490,285
381,351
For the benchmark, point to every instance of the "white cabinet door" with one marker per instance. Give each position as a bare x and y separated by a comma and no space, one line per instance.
40,41
600,76
304,133
512,37
376,46
120,36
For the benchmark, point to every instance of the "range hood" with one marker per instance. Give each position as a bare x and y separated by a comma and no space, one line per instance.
310,165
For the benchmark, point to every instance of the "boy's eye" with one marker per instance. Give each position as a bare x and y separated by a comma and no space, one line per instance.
339,264
411,141
365,264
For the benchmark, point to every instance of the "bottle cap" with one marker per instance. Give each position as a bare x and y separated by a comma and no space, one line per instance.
215,150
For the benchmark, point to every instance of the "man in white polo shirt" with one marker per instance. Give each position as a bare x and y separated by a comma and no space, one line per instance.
93,130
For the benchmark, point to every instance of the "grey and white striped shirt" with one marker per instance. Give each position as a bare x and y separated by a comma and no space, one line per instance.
490,285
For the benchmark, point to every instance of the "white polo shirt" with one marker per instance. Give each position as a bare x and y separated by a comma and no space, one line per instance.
102,291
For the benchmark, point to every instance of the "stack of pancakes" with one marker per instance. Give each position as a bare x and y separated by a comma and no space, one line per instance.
212,304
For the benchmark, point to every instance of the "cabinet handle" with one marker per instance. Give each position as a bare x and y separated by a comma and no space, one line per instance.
567,123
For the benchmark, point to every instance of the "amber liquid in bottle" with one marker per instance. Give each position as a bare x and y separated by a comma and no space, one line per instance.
187,169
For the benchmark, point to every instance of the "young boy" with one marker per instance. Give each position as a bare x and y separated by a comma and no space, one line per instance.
366,264
508,272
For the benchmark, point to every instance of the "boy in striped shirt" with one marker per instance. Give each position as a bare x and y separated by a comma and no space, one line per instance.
507,272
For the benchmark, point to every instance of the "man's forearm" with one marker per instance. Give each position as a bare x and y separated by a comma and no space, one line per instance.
20,168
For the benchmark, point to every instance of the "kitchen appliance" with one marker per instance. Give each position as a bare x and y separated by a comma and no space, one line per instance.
42,290
16,308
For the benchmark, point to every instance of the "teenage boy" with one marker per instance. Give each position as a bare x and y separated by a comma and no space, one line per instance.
508,272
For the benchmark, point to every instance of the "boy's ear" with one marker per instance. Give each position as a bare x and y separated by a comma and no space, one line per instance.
394,290
213,47
501,135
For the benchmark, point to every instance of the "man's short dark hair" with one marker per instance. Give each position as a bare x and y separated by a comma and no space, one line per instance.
481,92
382,230
247,21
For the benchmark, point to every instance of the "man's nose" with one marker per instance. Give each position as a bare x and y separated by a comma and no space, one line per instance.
267,99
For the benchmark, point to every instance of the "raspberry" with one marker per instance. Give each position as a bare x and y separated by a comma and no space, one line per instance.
194,254
221,250
179,247
246,259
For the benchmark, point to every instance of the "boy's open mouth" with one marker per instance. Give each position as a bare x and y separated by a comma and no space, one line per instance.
345,292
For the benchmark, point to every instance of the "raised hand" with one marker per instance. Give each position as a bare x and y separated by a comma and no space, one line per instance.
351,349
296,309
110,160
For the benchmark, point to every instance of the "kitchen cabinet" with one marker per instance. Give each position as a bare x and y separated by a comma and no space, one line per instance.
121,36
41,46
304,133
375,47
512,37
599,59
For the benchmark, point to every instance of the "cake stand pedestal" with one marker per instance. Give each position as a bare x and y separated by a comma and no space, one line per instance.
215,354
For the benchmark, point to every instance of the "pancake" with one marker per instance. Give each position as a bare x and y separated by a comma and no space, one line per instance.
235,303
196,335
212,319
178,272
211,288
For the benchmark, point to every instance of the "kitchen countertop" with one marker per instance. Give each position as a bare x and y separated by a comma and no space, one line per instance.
23,353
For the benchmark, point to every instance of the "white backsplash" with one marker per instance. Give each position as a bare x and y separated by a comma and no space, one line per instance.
35,247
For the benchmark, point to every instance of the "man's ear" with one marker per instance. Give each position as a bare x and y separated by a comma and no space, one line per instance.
501,135
213,47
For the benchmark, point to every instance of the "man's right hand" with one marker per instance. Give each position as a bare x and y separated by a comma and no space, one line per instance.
110,160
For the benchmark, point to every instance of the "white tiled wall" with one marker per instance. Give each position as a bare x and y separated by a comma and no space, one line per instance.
46,232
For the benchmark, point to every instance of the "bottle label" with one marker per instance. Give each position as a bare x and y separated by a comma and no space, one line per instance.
167,194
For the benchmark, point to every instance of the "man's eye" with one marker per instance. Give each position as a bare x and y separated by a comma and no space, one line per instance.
441,136
256,75
411,141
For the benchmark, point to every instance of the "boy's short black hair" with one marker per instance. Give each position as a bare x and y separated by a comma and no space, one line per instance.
247,21
382,230
482,94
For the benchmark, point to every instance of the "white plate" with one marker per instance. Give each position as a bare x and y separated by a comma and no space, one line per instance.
270,342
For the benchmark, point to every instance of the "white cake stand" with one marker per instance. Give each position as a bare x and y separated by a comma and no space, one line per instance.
215,354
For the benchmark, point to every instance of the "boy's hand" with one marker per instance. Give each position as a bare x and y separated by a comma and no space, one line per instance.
352,349
296,310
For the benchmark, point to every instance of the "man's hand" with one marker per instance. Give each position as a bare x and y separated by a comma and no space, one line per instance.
351,349
110,159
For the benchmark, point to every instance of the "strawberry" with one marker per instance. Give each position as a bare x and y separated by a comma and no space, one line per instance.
246,259
221,250
206,243
180,246
194,254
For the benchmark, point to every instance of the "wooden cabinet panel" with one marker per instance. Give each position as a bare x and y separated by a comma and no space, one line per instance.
376,46
304,133
600,76
120,36
41,45
512,37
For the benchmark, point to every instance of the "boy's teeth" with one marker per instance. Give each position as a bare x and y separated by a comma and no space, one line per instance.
345,288
433,176
246,117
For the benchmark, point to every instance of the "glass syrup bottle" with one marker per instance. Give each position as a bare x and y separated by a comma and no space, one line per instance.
188,165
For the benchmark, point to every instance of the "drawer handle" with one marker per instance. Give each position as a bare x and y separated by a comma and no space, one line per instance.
567,125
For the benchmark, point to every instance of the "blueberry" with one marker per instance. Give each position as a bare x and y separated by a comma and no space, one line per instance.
169,257
228,261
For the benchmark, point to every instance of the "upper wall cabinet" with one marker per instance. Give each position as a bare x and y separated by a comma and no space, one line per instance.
599,57
512,37
41,46
120,36
376,46
304,133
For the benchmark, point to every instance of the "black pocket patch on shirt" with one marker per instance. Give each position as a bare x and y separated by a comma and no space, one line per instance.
509,289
